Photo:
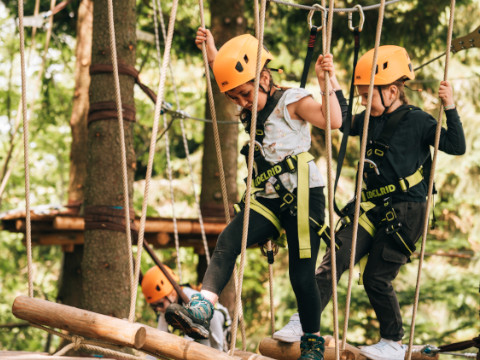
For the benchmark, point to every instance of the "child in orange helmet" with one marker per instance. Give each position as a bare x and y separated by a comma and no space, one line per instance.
160,293
396,177
288,190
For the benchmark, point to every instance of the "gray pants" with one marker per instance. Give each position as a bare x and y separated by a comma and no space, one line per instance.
383,265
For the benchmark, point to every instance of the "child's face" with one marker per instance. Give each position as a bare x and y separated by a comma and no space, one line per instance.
243,94
377,106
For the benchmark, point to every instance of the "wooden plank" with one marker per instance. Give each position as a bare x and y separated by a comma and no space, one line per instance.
79,322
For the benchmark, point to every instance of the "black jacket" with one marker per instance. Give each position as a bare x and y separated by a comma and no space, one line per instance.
409,147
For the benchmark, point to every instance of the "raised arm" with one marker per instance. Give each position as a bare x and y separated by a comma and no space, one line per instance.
205,36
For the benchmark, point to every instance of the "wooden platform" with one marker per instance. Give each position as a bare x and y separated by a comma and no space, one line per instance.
24,355
54,227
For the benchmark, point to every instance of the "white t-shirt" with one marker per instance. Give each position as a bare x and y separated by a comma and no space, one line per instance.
285,136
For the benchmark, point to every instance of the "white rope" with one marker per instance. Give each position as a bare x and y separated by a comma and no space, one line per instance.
253,126
361,163
328,144
153,138
28,229
431,183
165,132
126,206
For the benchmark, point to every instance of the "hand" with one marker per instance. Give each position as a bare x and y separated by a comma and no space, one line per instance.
205,36
324,63
445,93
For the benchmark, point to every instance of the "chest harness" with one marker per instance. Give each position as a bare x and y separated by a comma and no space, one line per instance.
296,202
378,192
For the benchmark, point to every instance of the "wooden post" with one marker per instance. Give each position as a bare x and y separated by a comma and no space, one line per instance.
291,351
79,322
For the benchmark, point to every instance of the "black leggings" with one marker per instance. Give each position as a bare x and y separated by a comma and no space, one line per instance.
302,271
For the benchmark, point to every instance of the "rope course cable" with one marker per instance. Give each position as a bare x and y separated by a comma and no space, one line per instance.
361,164
343,10
431,183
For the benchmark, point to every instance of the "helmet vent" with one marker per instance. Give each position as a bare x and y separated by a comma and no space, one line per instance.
376,70
410,66
157,288
385,65
239,67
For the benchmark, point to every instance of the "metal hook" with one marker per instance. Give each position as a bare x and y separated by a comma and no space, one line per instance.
362,19
310,15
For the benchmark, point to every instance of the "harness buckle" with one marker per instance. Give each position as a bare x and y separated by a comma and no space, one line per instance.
404,185
288,198
291,164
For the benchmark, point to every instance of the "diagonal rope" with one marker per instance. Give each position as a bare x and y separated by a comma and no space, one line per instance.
327,38
253,127
431,182
361,163
151,154
126,206
28,229
165,132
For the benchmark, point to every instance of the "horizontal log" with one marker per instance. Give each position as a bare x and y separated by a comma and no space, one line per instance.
24,355
79,322
245,355
179,348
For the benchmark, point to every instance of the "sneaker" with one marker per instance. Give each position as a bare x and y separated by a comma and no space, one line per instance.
311,347
193,319
384,350
291,332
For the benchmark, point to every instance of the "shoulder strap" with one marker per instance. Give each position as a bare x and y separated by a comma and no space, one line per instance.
391,125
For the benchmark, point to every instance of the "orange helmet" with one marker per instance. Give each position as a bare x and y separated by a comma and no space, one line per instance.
155,284
393,63
236,61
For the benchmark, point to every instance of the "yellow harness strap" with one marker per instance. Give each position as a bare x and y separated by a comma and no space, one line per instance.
303,206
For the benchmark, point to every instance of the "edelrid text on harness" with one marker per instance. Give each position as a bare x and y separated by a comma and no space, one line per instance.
266,172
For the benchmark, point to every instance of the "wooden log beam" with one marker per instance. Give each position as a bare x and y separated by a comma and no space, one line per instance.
245,355
178,348
291,351
79,322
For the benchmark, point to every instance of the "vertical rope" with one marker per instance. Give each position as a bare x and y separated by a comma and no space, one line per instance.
253,127
361,162
153,139
431,182
187,154
118,100
360,169
328,142
165,127
28,227
220,164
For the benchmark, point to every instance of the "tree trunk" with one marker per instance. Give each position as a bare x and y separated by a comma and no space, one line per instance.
105,267
227,21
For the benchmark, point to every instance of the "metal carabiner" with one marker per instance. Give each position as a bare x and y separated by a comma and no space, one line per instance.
362,19
316,7
374,166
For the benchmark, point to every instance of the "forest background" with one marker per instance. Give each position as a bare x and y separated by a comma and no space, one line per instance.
448,310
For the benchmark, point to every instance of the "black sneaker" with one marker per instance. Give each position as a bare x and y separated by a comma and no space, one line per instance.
193,319
311,347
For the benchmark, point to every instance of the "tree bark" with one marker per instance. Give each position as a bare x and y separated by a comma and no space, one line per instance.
106,274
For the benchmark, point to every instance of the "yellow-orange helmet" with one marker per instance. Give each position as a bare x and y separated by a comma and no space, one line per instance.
155,284
235,63
393,63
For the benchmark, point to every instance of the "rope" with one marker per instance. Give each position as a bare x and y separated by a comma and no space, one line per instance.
126,206
222,178
342,10
189,162
326,41
431,182
253,126
165,132
360,171
28,229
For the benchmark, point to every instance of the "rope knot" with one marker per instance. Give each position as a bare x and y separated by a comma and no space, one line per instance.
77,342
